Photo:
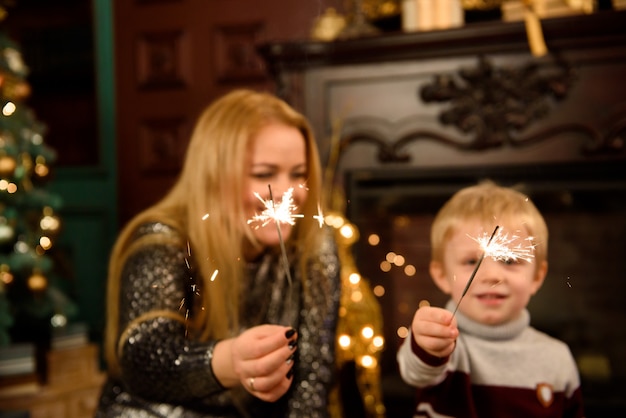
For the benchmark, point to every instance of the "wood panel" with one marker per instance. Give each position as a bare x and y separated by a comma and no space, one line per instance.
172,58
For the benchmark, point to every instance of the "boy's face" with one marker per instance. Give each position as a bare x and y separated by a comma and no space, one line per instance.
501,289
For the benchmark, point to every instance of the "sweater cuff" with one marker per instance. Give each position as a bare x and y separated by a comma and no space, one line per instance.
426,357
209,354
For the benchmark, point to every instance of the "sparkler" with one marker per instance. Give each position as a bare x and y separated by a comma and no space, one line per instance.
285,214
281,213
498,247
480,260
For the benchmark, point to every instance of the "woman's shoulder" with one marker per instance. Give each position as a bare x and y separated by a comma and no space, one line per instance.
155,233
152,228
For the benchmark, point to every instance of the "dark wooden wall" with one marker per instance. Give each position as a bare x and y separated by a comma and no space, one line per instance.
172,58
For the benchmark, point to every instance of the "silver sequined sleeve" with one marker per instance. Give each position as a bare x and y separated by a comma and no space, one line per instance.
157,361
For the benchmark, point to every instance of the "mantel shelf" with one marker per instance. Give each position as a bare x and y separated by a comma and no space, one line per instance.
571,32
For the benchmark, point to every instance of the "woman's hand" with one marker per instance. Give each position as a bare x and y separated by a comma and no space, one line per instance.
435,331
260,359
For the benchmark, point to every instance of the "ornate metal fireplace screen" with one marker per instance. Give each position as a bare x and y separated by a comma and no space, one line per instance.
493,106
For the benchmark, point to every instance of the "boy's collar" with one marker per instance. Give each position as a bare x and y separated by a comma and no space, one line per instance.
491,332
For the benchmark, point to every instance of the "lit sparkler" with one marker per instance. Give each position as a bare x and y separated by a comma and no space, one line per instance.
498,247
480,260
281,213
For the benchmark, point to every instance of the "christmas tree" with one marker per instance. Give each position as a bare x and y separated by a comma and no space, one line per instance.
30,295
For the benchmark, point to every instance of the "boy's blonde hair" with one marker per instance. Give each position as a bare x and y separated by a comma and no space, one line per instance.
488,204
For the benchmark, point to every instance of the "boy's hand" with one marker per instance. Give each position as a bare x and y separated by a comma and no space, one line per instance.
434,330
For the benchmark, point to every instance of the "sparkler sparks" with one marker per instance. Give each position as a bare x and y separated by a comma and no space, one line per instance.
499,247
282,213
279,213
496,246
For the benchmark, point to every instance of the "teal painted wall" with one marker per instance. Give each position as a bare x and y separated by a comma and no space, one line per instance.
89,212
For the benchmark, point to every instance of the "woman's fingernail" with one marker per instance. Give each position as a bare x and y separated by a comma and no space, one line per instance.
290,332
292,344
289,373
290,359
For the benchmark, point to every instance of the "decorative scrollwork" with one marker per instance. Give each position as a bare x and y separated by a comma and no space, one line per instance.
495,103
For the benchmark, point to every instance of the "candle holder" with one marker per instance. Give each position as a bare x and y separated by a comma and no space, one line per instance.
358,26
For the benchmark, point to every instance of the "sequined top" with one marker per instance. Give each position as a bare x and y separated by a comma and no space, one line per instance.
164,373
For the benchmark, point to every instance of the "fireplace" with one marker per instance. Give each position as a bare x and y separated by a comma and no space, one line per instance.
405,120
582,299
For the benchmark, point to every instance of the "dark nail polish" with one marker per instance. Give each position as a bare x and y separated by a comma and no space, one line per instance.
290,332
289,373
290,359
292,344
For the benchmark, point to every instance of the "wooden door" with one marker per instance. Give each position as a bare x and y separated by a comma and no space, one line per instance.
172,58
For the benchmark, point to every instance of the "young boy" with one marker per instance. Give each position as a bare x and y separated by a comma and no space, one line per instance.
486,360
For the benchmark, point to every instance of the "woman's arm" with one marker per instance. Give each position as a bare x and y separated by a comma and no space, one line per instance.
157,359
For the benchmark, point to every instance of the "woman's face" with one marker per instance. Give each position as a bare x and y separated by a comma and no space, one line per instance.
276,159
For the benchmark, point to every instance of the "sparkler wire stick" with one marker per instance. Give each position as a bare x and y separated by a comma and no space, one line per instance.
471,279
282,243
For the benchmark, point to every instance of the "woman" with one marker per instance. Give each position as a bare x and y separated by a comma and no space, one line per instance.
204,318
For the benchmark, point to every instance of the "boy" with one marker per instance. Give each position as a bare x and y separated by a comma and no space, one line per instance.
486,360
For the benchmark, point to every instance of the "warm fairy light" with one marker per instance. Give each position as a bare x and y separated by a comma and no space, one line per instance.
8,109
385,266
42,170
37,282
5,276
12,188
410,270
402,332
356,296
367,332
501,249
4,184
378,341
205,217
354,278
334,221
368,361
399,260
49,223
373,240
45,242
391,257
344,340
281,213
379,290
347,231
58,320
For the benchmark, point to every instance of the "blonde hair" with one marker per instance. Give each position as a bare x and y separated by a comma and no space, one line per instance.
488,204
211,182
